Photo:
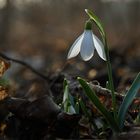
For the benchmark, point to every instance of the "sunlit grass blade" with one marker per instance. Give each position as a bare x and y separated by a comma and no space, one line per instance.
130,95
95,100
96,20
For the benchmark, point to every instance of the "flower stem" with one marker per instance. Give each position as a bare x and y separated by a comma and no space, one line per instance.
110,77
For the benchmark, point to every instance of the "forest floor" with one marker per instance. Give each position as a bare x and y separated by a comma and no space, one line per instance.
29,101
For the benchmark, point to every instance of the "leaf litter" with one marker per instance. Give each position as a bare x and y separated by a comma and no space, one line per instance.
32,111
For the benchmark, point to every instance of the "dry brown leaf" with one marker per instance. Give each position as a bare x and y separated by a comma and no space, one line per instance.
4,65
3,93
2,128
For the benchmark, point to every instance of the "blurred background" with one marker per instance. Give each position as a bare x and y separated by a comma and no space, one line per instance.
40,32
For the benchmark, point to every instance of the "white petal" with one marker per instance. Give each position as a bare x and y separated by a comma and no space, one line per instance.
99,47
75,48
71,110
87,46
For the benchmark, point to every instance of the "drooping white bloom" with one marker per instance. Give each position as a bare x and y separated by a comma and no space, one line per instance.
85,44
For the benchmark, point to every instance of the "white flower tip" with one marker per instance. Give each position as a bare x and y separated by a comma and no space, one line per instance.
104,58
72,110
69,57
87,58
86,10
72,53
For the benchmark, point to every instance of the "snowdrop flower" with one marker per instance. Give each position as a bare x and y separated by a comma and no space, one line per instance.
85,44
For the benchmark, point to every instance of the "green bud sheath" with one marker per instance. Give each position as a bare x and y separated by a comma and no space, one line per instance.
88,25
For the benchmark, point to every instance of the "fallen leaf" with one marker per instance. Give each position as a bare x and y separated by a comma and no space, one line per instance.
2,128
3,93
4,65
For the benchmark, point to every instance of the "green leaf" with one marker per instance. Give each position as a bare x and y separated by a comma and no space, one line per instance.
84,109
66,91
97,21
130,95
65,83
67,99
95,100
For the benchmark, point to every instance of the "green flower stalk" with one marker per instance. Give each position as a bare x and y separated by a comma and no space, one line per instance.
85,44
95,19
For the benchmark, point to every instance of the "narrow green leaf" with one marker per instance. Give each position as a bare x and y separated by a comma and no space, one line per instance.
97,21
130,95
71,98
66,90
67,99
95,100
84,109
65,83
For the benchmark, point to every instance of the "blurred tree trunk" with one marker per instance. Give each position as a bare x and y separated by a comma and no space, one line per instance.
6,13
